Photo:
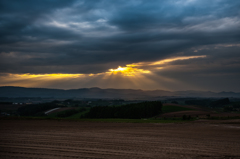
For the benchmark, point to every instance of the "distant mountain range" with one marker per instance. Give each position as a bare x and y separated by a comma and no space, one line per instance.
9,91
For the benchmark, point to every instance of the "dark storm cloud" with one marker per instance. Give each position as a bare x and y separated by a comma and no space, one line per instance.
49,36
173,13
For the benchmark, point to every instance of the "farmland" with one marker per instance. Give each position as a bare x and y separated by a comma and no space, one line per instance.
78,139
164,133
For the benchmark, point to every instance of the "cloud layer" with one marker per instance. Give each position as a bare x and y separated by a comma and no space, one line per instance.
91,37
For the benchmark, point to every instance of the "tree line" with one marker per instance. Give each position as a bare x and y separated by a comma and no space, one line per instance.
129,111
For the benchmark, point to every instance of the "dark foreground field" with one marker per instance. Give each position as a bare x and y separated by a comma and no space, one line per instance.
54,139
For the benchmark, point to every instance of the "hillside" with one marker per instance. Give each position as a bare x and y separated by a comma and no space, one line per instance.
14,92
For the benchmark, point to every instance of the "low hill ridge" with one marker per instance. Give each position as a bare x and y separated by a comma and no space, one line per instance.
95,92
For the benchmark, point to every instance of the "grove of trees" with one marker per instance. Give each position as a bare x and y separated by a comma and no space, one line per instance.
129,111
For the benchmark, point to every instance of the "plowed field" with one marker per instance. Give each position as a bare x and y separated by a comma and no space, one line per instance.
52,139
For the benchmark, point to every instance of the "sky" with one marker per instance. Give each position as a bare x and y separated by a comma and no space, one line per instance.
134,44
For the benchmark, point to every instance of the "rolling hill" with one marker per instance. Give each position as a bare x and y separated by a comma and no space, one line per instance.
13,92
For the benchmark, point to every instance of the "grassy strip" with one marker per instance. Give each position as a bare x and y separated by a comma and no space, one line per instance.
131,120
223,118
97,120
77,116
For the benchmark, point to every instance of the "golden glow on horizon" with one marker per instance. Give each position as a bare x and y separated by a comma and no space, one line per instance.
128,71
131,74
133,69
56,75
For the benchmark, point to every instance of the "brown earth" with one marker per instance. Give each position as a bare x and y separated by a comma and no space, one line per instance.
194,107
192,113
53,139
197,112
185,106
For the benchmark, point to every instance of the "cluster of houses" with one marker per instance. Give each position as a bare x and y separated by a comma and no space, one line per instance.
21,103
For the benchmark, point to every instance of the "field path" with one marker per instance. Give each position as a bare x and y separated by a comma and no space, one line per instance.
49,111
52,139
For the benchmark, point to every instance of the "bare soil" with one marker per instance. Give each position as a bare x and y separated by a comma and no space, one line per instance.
192,113
197,112
54,139
200,114
185,106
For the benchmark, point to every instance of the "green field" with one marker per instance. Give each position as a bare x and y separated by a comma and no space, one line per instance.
165,109
131,120
173,108
78,115
75,115
97,120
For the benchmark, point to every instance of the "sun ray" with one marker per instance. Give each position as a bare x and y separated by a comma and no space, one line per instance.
128,70
135,75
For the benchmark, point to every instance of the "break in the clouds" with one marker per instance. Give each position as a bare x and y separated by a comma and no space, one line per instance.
81,41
